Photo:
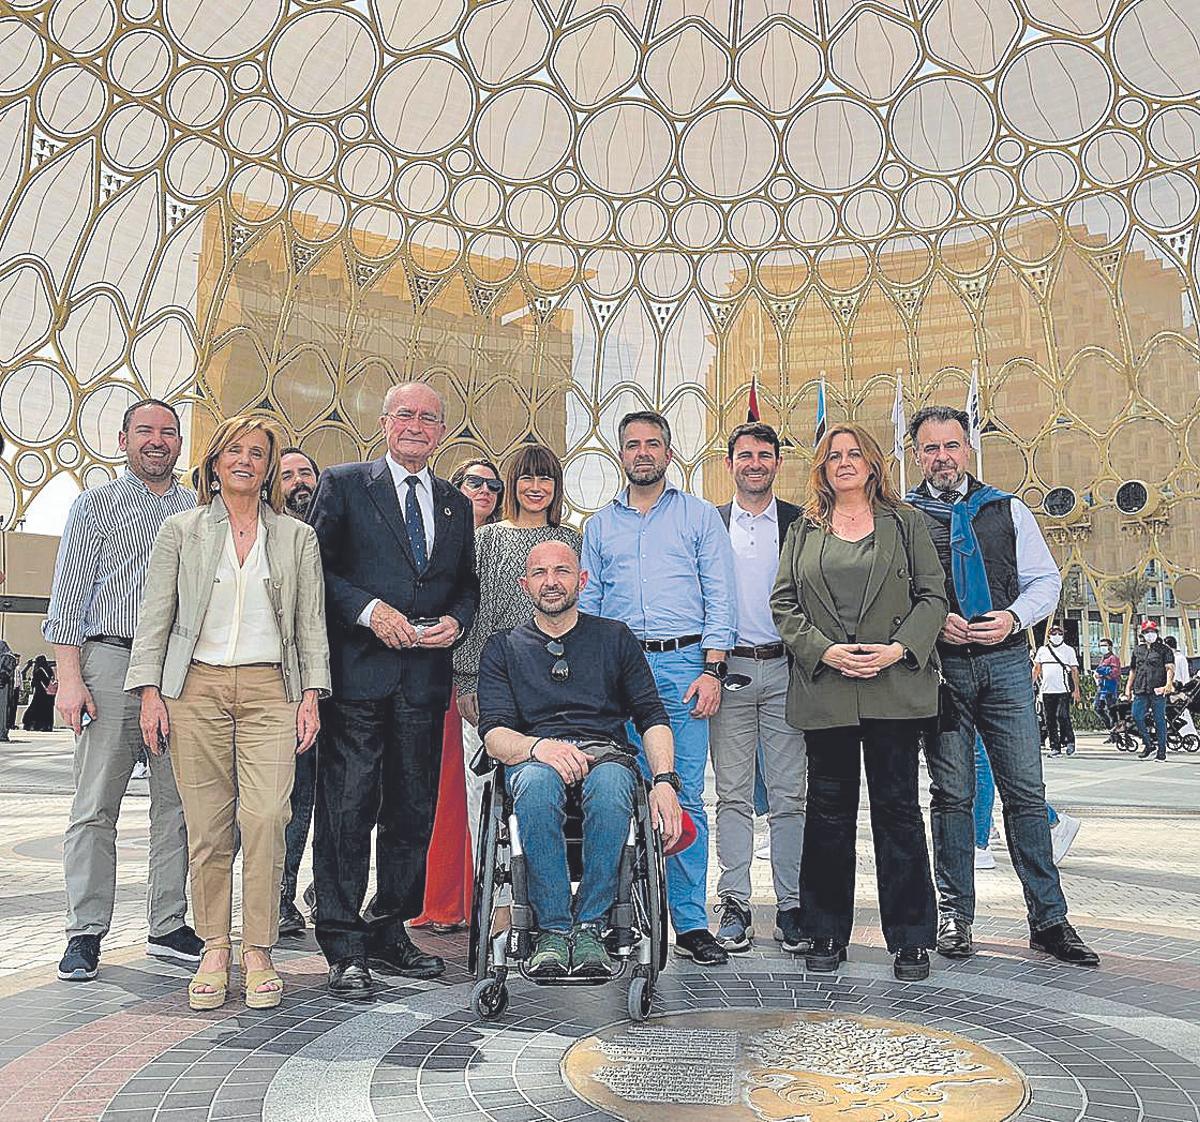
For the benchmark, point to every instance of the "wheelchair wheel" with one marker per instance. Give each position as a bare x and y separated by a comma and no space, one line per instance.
640,998
484,889
489,999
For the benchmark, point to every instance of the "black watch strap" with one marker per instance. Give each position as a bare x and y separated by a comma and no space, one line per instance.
671,778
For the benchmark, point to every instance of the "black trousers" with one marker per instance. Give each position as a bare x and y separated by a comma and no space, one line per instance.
1058,720
379,765
907,904
304,794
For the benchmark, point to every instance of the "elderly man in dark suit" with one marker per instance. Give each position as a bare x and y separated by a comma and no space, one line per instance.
752,723
398,546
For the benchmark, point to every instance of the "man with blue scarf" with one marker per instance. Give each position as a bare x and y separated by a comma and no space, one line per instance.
1001,579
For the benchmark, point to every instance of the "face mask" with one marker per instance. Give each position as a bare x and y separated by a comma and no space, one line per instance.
1056,640
1150,638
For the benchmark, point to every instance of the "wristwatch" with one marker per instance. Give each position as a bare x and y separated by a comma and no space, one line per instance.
671,778
716,670
1018,625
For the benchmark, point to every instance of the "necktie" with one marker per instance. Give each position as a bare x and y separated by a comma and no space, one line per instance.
950,497
415,523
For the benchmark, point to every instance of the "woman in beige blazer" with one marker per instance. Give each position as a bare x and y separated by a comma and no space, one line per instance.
859,601
231,651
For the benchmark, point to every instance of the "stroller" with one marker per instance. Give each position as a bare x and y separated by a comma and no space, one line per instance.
1125,731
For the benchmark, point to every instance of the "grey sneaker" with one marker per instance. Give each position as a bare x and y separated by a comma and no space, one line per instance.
735,932
551,956
589,959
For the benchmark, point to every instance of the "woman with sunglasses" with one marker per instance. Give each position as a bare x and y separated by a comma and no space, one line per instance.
449,872
533,502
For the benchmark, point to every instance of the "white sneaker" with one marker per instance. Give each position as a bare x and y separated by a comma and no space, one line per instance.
984,858
141,770
763,852
1062,836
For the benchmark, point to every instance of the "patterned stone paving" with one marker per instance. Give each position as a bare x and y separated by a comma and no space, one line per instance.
1120,1044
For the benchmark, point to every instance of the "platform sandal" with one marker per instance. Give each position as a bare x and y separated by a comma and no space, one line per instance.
252,979
215,983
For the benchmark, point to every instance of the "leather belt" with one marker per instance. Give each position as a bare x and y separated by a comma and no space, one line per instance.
762,652
657,646
111,641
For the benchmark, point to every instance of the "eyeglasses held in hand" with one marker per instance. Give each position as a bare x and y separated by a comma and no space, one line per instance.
474,482
560,671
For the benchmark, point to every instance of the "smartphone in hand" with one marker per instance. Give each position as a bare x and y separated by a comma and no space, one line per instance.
984,618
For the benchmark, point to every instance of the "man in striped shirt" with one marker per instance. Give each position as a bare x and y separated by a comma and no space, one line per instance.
98,584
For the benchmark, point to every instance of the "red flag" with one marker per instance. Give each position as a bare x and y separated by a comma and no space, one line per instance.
752,404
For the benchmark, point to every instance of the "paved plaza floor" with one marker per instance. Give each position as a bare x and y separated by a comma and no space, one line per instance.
1007,1034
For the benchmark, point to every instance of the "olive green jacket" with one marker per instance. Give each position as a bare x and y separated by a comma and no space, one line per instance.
905,602
179,580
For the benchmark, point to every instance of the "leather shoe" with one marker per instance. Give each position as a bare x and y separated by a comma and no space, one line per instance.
1063,942
351,979
291,921
954,938
911,964
824,956
701,947
403,957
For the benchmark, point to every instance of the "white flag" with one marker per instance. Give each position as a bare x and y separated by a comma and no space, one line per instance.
973,412
898,425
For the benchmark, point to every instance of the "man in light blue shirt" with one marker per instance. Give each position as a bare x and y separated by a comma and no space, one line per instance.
660,561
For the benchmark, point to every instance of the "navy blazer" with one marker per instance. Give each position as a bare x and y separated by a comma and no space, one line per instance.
366,554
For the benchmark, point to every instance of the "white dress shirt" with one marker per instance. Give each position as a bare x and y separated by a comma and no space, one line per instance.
1038,579
424,491
755,542
239,626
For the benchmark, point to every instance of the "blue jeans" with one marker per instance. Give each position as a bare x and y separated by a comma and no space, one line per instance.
985,797
993,695
1158,706
687,872
539,799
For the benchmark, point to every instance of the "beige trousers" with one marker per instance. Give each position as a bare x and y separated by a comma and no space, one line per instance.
233,742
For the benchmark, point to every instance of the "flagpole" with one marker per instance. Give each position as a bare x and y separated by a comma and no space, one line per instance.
898,430
974,393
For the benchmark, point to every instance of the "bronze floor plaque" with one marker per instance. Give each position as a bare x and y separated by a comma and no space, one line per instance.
754,1066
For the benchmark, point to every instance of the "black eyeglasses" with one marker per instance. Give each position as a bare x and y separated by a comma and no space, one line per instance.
560,671
477,481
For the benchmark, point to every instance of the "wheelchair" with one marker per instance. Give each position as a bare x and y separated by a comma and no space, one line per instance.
636,930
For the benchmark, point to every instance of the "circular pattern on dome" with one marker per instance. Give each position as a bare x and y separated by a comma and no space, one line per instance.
927,204
196,168
625,148
422,187
323,62
753,224
1166,201
139,9
134,137
724,275
436,246
1098,220
67,453
893,175
318,214
310,150
247,76
1112,157
35,402
1031,236
833,144
71,100
728,152
1049,177
1174,134
422,105
905,259
476,201
376,231
987,192
197,97
31,468
551,266
586,219
1056,92
869,213
642,224
254,126
782,272
608,272
565,183
942,125
353,126
257,193
365,171
531,211
811,220
523,133
781,189
1010,151
967,249
672,191
100,419
843,266
697,225
140,61
1131,111
1156,47
496,256
218,30
665,275
80,27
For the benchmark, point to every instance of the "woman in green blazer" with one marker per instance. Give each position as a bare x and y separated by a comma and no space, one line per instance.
860,601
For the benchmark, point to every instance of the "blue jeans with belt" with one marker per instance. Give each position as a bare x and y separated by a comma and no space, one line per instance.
993,695
687,872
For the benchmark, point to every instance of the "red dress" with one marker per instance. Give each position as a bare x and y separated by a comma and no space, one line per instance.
449,871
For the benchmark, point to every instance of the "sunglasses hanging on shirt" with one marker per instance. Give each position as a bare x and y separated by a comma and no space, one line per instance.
560,671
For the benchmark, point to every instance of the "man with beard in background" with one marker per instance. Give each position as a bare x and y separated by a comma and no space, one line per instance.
298,474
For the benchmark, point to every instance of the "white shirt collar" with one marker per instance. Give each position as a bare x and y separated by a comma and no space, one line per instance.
771,514
400,473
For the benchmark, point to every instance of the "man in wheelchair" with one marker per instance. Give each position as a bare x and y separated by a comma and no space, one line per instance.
566,679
